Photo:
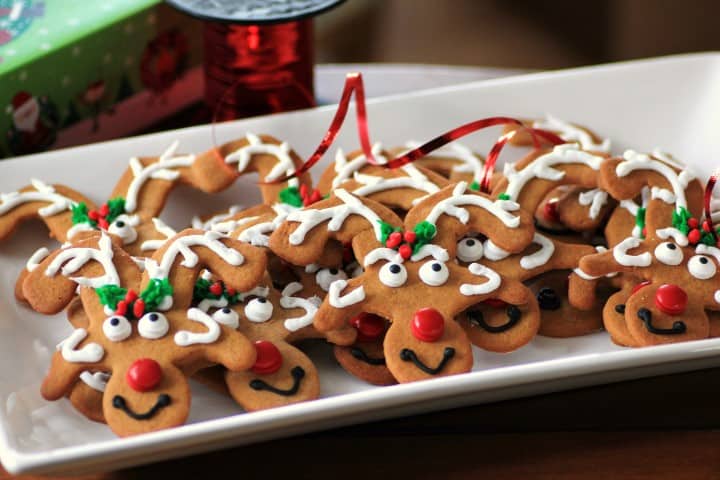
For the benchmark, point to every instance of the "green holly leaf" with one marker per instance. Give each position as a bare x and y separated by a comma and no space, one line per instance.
202,290
80,214
707,238
116,207
680,219
291,196
425,232
155,293
475,185
110,295
503,196
385,230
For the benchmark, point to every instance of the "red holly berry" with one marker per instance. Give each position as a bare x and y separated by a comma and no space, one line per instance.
706,226
230,291
104,210
102,223
303,190
93,215
692,223
315,197
216,288
393,240
121,308
694,236
139,308
405,251
410,237
644,232
130,296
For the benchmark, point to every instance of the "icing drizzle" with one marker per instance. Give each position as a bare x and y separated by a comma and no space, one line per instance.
42,193
181,246
452,206
77,257
255,145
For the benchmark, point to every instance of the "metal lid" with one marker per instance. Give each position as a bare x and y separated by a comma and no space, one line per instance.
253,12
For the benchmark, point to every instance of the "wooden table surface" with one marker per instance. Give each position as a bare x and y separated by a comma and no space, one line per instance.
656,428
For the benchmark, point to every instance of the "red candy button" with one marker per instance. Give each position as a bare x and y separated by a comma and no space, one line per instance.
550,210
494,303
144,374
370,327
428,325
639,286
671,299
269,359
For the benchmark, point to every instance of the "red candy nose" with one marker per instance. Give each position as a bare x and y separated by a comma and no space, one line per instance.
428,325
671,299
144,374
269,359
370,327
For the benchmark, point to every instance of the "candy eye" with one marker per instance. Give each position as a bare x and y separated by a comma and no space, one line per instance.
153,325
123,228
701,267
393,275
469,250
669,253
259,310
325,276
228,316
117,328
434,273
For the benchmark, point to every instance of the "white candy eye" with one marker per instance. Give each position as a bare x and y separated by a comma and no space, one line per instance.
153,325
669,253
434,273
228,316
259,310
122,226
117,328
469,250
701,267
325,276
393,275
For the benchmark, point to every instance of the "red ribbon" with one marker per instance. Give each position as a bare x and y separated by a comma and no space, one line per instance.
708,200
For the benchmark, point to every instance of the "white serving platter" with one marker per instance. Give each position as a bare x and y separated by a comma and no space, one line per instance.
672,103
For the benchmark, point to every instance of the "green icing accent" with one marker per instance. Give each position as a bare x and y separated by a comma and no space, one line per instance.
202,292
503,196
680,219
116,207
155,293
640,220
110,295
425,232
707,238
80,214
291,196
385,230
475,185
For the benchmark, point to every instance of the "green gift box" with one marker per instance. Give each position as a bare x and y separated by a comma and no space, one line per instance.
74,72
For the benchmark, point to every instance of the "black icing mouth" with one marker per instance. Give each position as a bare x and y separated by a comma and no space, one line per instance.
646,316
408,355
548,299
297,373
162,401
477,320
359,354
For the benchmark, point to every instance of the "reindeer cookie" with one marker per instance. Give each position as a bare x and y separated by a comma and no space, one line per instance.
586,138
456,162
141,328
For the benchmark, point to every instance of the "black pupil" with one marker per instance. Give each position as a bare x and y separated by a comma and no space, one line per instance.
114,322
703,260
226,310
120,223
261,300
436,267
153,317
671,246
470,242
395,268
333,271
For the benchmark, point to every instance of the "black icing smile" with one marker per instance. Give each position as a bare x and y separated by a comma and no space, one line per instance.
646,316
163,401
477,320
359,354
408,355
297,373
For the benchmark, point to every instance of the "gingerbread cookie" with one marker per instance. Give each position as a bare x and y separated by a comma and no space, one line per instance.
586,138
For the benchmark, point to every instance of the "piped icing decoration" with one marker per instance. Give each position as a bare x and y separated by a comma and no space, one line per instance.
72,259
595,198
406,243
542,167
88,353
310,218
162,228
186,338
258,234
37,257
284,168
621,255
346,169
470,163
181,246
100,218
540,257
338,300
208,224
130,304
571,133
415,179
209,289
95,380
452,206
289,300
42,193
492,284
301,196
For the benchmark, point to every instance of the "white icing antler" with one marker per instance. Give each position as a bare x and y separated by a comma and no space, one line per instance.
163,229
289,301
596,198
77,257
491,285
571,133
542,167
415,179
258,234
471,163
215,219
351,298
89,353
163,169
623,258
42,193
335,216
345,169
186,338
541,257
678,181
452,206
285,165
182,246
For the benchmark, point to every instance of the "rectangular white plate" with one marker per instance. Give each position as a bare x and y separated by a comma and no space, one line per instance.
672,103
